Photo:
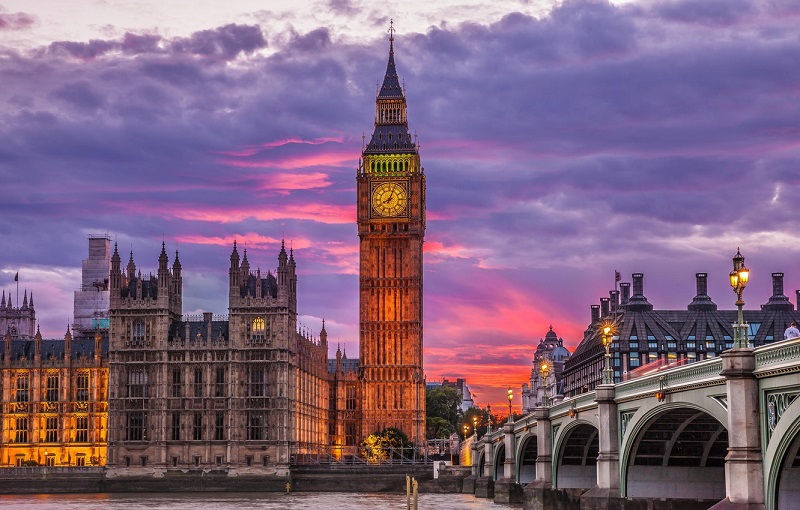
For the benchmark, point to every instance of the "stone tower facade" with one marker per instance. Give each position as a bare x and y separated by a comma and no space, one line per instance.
391,228
236,393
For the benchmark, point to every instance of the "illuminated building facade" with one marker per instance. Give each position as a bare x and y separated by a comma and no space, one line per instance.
54,409
550,351
391,228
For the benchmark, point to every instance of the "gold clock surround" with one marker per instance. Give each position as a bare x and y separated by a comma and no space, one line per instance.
389,199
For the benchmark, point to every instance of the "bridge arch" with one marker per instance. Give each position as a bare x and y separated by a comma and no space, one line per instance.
481,463
782,461
499,460
576,449
526,459
676,448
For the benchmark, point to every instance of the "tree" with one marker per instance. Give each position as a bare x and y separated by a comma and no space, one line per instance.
443,402
390,443
438,428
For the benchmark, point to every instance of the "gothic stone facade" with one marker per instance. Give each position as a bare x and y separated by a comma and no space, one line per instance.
208,392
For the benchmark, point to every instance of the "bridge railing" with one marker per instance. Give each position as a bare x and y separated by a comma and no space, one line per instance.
777,355
320,454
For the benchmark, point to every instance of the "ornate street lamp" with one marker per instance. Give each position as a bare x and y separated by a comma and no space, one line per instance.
466,428
544,369
510,397
489,419
608,374
475,426
739,278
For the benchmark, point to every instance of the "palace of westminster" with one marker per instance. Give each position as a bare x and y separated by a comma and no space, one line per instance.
140,388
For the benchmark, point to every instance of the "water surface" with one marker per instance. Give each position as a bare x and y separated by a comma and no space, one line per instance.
243,501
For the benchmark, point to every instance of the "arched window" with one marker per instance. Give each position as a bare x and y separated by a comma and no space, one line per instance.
259,330
138,331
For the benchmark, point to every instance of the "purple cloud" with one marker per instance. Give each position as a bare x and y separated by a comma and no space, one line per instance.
16,21
597,138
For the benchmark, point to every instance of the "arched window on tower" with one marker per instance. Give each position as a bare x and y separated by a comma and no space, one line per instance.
259,330
138,332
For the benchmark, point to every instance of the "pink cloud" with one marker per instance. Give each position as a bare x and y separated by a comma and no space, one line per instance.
251,150
292,162
319,212
295,181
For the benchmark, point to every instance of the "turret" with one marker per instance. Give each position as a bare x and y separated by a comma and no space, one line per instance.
37,345
3,302
292,281
67,345
176,276
283,266
163,269
245,271
25,300
116,270
323,335
234,277
131,269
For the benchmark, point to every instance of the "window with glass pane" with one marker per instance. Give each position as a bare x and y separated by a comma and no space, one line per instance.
22,388
219,427
51,393
135,427
197,428
176,427
176,382
82,387
51,429
137,383
198,382
259,329
219,383
82,429
255,425
138,332
21,430
257,381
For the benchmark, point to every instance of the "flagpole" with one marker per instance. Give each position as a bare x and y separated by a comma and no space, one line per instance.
16,279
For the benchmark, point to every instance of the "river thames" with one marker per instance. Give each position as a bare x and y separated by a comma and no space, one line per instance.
243,501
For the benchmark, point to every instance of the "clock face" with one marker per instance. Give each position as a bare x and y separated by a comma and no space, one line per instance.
389,199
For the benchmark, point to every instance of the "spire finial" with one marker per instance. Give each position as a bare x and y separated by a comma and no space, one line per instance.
391,32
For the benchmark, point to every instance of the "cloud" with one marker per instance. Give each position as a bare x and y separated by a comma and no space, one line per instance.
557,149
16,20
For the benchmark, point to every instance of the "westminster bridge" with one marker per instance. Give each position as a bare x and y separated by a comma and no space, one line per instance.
721,433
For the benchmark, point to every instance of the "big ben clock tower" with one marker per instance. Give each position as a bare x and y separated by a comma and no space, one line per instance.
391,228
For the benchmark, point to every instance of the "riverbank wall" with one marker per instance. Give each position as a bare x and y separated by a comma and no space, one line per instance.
390,478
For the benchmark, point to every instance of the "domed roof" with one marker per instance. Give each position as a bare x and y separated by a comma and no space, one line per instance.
560,353
551,336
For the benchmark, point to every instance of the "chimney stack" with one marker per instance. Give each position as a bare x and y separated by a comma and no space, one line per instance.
625,289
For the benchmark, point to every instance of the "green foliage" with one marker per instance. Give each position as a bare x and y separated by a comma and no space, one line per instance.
386,444
442,402
438,428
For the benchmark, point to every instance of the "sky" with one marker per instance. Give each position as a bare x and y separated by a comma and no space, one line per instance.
562,141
